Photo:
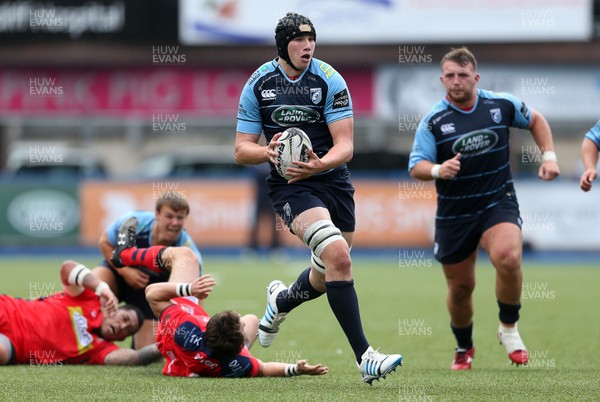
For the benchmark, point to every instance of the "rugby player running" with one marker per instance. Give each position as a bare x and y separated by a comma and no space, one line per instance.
463,144
317,203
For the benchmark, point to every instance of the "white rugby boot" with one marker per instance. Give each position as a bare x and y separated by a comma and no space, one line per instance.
270,322
510,338
375,365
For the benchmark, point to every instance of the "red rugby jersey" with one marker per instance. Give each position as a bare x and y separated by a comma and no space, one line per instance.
57,329
181,341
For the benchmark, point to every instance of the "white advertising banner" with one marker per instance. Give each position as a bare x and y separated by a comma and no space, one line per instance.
208,22
558,215
560,93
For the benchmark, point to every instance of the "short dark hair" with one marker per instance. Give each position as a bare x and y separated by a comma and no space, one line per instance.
224,334
462,56
138,312
174,200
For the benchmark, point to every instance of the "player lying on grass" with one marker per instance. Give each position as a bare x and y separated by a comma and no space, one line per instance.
194,344
163,226
75,326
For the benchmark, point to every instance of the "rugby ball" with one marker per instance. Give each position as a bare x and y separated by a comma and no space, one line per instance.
293,147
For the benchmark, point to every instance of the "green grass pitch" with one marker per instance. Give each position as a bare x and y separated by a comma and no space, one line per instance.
403,311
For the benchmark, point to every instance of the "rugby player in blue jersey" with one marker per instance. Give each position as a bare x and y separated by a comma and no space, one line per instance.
589,156
463,143
164,226
317,203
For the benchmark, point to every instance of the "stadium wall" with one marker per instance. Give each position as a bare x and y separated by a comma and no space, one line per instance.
391,213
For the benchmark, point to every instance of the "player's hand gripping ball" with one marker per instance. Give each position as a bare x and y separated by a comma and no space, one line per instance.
293,147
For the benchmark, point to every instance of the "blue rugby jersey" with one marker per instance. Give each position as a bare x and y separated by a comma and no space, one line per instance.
146,222
594,134
481,136
271,102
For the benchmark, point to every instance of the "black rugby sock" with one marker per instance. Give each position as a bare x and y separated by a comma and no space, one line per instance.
464,336
508,313
344,304
298,293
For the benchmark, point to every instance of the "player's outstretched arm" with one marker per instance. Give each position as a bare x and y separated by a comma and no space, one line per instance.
275,369
130,357
76,277
159,295
589,156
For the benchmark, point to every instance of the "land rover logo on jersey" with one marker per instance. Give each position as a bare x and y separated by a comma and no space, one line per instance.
496,115
475,142
290,116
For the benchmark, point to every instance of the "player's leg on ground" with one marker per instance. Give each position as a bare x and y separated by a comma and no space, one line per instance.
460,279
105,274
250,322
503,243
332,250
338,276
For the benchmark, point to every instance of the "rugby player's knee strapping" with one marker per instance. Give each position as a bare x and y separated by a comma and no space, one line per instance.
317,263
318,236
